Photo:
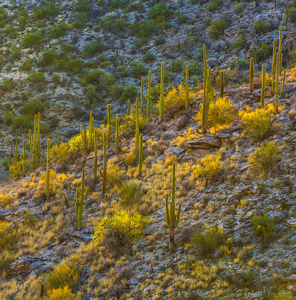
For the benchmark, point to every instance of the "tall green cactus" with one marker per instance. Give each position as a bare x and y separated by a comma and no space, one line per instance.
117,135
90,130
137,127
104,172
83,141
273,59
148,96
95,166
38,138
275,83
251,76
172,218
128,107
221,83
81,194
142,95
161,92
141,154
205,95
16,154
24,157
263,85
47,177
186,87
280,48
109,122
34,141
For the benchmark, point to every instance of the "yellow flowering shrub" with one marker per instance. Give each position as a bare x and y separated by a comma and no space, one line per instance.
257,123
122,226
61,294
128,124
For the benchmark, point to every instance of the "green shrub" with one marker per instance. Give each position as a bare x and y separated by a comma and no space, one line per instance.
32,39
56,78
238,64
160,10
3,17
58,30
263,52
149,58
116,26
265,157
6,257
28,64
177,66
116,91
257,124
182,18
47,10
48,57
214,4
292,14
217,28
83,6
80,20
15,53
122,71
23,16
21,123
92,48
7,84
238,8
130,193
91,93
263,226
209,240
119,230
283,296
8,237
36,77
238,43
129,93
128,124
32,107
74,65
63,293
138,70
261,27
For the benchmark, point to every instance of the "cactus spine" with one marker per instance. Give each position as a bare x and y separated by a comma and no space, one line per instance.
186,87
148,96
263,86
141,154
95,166
47,178
251,76
172,218
117,136
81,194
275,83
142,95
24,157
137,127
205,100
222,83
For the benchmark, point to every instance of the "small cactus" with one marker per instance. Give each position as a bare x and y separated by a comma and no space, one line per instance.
263,86
117,135
172,218
141,154
137,127
186,87
161,92
81,194
47,178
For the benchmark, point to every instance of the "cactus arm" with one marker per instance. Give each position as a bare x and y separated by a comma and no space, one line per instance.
283,82
137,138
178,215
263,86
167,212
142,95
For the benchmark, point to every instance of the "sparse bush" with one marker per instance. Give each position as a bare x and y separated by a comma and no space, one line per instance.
92,48
117,26
130,193
209,240
58,30
8,237
217,28
214,5
262,52
222,112
138,70
149,58
238,64
36,77
3,17
160,10
129,93
263,226
6,257
23,16
47,10
7,84
257,123
119,230
32,39
238,8
292,14
283,296
33,107
128,124
209,166
238,43
28,64
122,71
261,27
48,57
80,20
265,157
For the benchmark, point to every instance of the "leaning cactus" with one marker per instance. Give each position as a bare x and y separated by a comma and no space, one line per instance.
263,86
81,194
172,218
251,76
275,83
186,78
47,178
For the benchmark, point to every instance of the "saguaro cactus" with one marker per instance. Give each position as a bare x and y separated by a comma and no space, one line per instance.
109,122
142,95
83,141
141,154
275,83
263,85
81,194
186,87
273,59
90,130
128,107
222,83
148,96
161,92
137,127
95,166
205,100
251,76
34,141
24,157
117,135
104,173
38,138
47,177
172,218
280,48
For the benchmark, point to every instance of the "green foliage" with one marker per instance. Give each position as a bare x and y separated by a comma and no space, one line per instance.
8,237
116,26
23,16
28,64
257,123
209,240
7,84
262,52
292,14
263,226
92,48
138,70
149,58
58,30
129,93
3,17
124,228
209,166
32,39
32,107
222,112
83,6
122,71
238,64
178,66
36,77
238,8
182,18
47,10
29,218
283,296
160,10
67,273
130,193
217,28
48,57
6,257
261,27
80,20
238,43
214,4
128,124
265,157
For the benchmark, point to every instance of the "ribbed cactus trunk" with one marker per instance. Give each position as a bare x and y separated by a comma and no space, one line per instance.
47,178
263,86
148,98
161,109
141,154
172,218
221,83
128,107
104,183
142,95
83,141
273,59
117,136
90,130
109,123
187,87
280,48
95,166
251,76
24,157
35,143
137,128
205,95
38,138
